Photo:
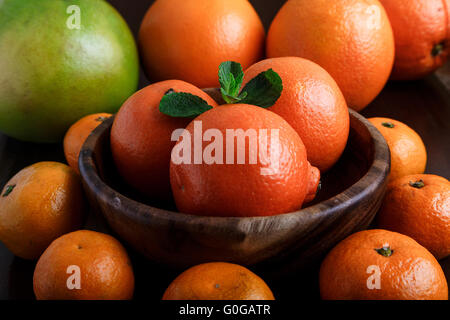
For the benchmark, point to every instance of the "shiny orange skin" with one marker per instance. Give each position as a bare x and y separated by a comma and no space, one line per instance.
419,26
313,104
421,212
351,39
410,273
105,269
241,190
46,202
141,138
408,153
218,281
188,39
77,135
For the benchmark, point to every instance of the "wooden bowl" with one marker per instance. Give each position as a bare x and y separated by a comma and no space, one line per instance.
350,196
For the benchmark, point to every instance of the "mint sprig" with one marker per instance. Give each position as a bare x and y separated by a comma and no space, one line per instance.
182,105
231,76
262,91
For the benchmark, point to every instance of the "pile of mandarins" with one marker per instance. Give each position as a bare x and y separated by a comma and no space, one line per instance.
322,58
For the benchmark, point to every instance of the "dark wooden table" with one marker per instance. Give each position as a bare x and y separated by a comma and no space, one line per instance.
424,105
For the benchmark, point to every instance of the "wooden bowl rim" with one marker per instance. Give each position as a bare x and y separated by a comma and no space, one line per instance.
376,174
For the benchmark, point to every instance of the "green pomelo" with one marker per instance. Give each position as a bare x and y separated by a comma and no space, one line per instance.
52,73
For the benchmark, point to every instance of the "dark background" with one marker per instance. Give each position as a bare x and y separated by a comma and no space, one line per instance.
424,105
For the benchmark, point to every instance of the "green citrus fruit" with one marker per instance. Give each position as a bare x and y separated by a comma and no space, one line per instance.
61,60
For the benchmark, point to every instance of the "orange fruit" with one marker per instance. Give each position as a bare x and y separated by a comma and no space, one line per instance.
351,39
422,36
408,153
141,137
188,39
39,204
419,206
84,265
381,265
255,186
77,135
218,281
313,104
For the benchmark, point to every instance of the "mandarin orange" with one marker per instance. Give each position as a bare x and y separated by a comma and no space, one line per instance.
381,265
218,281
84,265
419,206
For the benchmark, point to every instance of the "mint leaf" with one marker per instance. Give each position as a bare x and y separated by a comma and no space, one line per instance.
182,105
231,76
263,90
